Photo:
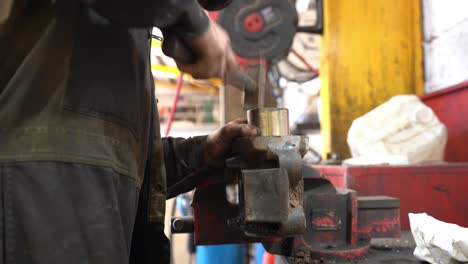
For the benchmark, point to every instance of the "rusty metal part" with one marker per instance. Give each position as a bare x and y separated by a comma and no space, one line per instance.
262,96
271,173
339,223
270,166
271,121
330,239
243,147
283,152
377,217
261,189
261,84
289,159
292,209
296,222
213,215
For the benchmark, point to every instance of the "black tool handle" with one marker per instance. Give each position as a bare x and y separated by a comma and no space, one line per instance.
178,49
182,224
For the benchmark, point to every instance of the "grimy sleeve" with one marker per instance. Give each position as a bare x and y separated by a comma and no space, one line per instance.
182,157
184,18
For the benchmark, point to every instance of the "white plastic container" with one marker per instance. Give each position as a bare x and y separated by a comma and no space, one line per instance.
403,129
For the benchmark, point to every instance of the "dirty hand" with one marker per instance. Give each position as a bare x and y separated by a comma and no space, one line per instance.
213,52
218,144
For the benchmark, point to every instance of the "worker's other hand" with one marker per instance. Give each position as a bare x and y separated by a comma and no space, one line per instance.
213,53
218,144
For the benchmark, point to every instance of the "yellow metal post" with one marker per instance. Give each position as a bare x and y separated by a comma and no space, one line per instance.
371,50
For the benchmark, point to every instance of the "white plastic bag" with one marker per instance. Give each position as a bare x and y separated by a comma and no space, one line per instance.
438,242
403,128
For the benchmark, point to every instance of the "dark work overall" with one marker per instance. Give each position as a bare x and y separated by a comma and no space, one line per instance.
81,157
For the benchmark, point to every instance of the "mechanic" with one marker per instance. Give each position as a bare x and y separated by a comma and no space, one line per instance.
82,164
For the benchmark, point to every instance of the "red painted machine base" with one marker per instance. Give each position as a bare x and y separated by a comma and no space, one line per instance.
341,253
438,190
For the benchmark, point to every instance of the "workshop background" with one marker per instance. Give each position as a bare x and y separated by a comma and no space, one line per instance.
340,76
